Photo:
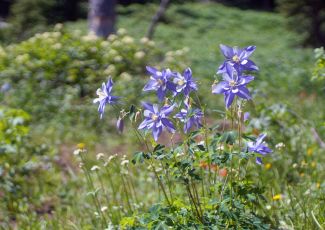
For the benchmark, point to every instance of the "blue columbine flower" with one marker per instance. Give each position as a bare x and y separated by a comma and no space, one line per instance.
238,58
259,147
232,85
160,82
184,83
190,117
156,119
105,97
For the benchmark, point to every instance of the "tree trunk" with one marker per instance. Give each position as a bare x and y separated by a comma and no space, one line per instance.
102,17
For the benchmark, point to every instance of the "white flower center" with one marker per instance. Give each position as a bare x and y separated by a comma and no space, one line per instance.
235,58
232,83
154,117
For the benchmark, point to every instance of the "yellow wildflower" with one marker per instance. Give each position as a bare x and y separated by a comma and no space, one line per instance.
81,145
277,197
310,151
268,165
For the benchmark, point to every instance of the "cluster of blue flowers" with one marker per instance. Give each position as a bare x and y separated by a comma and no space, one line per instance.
234,84
164,82
234,81
167,83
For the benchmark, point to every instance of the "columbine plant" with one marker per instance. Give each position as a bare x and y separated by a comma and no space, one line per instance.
203,173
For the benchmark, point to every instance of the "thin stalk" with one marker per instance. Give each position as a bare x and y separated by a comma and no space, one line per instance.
126,193
92,187
114,192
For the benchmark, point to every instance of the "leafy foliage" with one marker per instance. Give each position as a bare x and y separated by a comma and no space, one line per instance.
311,17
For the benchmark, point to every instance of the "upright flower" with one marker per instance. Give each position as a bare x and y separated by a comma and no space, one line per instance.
105,97
238,58
190,117
156,119
159,81
184,83
259,147
232,85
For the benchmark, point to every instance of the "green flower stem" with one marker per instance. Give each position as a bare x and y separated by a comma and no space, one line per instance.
114,191
92,187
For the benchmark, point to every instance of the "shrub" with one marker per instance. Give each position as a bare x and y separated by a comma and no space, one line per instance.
319,68
53,74
23,167
309,15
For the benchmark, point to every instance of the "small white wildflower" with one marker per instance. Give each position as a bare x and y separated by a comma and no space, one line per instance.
144,40
112,37
128,40
95,168
126,76
268,207
77,152
58,26
100,156
220,147
110,158
121,31
96,213
89,37
139,55
104,208
125,162
46,35
158,169
180,154
294,165
118,59
81,165
280,145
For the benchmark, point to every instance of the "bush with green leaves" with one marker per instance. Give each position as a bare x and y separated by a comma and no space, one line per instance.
53,75
28,178
309,15
319,68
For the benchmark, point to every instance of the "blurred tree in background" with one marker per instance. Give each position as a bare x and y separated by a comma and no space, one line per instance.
307,17
102,17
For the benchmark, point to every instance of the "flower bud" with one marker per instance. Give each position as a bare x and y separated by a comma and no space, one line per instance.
120,125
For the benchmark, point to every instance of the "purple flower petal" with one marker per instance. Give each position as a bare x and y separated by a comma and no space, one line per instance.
156,131
227,51
220,87
247,51
243,93
151,70
250,65
259,161
168,124
229,97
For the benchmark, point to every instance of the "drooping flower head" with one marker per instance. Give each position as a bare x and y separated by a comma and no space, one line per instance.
105,97
184,83
159,81
156,119
190,117
232,85
238,58
259,147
